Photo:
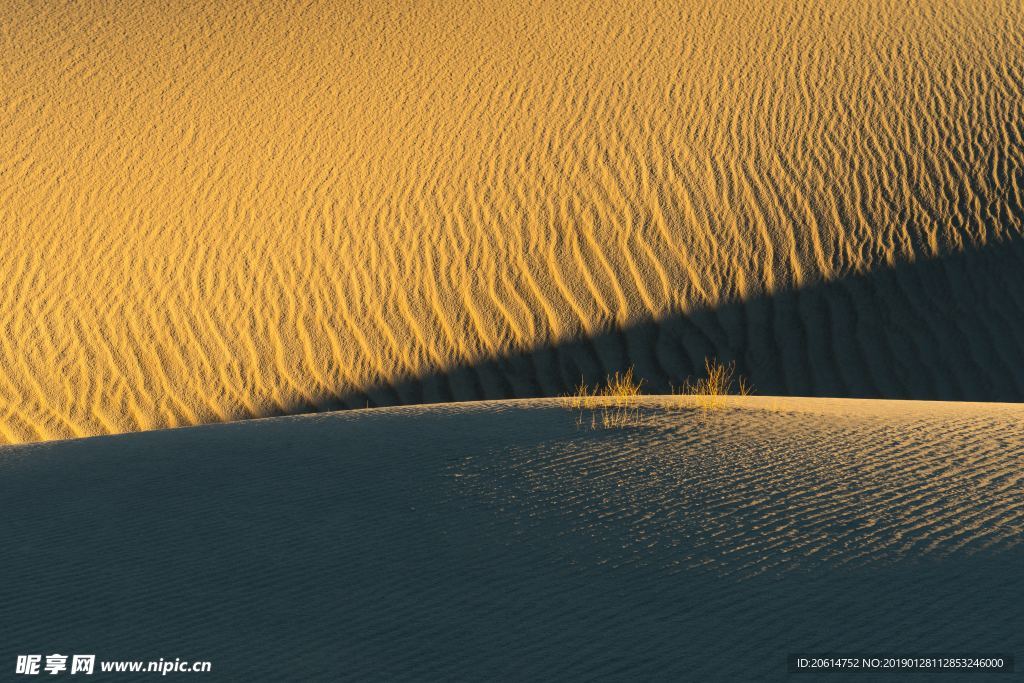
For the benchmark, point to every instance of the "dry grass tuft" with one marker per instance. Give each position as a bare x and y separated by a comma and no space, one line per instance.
613,405
622,385
616,403
719,380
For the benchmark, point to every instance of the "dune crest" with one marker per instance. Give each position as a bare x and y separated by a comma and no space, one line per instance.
497,541
211,212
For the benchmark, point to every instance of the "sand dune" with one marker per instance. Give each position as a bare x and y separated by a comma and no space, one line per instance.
497,541
222,210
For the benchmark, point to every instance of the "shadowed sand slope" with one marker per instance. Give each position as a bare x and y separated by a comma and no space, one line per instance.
497,540
219,210
950,328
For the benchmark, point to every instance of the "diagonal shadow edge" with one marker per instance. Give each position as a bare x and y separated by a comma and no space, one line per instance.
946,328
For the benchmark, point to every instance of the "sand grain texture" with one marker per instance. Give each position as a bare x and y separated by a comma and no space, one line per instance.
496,541
225,210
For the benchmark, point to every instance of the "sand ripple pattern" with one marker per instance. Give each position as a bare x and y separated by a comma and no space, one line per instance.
495,541
211,211
879,482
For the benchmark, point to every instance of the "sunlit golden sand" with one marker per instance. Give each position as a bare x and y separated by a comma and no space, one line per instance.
211,211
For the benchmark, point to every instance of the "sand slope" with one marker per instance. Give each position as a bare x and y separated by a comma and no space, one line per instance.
495,540
220,210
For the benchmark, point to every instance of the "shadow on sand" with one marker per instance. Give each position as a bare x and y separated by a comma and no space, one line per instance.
947,328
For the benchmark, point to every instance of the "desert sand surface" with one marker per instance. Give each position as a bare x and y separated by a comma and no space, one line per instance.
212,211
496,541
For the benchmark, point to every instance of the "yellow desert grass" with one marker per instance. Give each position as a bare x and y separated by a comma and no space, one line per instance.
614,404
719,381
617,402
